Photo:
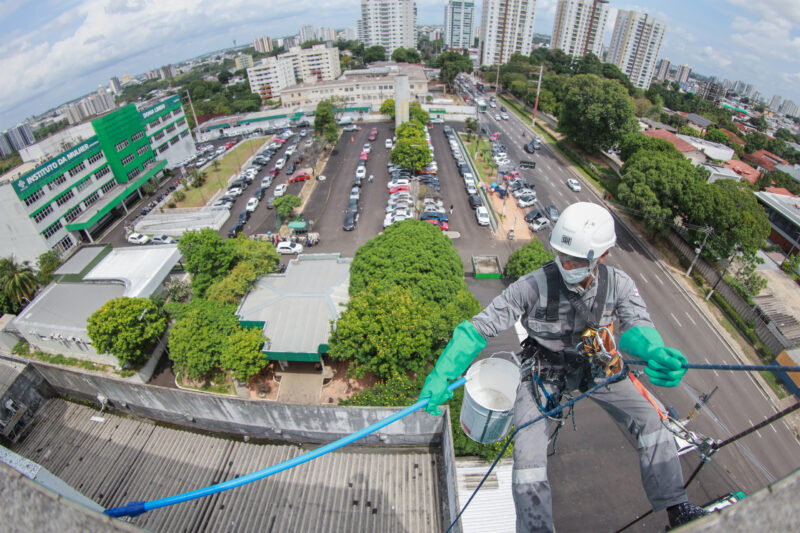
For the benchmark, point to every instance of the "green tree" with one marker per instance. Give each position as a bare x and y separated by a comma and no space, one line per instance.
260,254
406,55
242,353
527,259
286,204
207,257
411,153
387,108
471,125
374,53
633,142
451,64
716,136
324,115
331,133
48,263
409,130
747,277
126,328
386,333
17,279
596,113
224,77
398,390
231,288
417,114
759,123
199,336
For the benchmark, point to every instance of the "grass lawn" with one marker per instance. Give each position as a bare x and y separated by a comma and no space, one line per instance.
486,173
218,179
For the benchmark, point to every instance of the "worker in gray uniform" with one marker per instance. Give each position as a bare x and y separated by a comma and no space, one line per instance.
561,305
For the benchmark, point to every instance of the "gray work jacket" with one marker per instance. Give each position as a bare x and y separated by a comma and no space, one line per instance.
529,293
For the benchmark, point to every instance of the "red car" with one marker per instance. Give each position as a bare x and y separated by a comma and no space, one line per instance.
279,140
494,136
364,156
444,226
303,176
228,145
373,134
399,188
273,172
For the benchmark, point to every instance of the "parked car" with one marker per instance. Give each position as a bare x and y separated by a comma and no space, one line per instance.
533,214
527,200
574,185
355,192
280,190
163,239
290,168
235,230
539,224
482,215
504,116
252,203
271,202
474,201
350,220
235,191
266,182
437,215
364,156
373,135
288,247
552,212
398,188
441,224
303,176
138,238
388,144
367,148
397,182
280,163
244,216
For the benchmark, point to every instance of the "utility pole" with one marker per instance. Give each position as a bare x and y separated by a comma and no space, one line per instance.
708,230
536,105
724,271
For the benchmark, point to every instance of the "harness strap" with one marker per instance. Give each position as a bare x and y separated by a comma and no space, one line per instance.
594,315
553,289
644,392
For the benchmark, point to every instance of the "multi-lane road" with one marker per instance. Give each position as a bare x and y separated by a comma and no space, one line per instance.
740,400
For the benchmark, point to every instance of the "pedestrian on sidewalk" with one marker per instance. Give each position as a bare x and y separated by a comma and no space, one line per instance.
451,209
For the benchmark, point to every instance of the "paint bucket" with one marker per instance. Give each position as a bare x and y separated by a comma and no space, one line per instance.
488,406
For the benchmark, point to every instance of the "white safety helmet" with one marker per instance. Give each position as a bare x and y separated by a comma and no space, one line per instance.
584,230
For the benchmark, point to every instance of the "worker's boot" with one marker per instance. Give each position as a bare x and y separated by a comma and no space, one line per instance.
684,512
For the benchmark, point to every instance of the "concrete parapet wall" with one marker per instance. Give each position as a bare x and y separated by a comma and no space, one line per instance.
253,418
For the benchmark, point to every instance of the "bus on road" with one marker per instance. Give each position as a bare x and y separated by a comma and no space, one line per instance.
481,103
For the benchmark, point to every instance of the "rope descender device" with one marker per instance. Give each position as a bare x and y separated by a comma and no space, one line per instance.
601,349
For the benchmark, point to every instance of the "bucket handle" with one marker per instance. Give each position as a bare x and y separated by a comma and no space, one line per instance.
513,356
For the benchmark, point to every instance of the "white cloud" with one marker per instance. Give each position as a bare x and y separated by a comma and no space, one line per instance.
769,38
772,9
94,34
709,56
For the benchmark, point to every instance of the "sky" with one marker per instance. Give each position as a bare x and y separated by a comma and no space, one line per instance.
53,51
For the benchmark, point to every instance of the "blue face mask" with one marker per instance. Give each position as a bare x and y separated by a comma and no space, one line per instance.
573,277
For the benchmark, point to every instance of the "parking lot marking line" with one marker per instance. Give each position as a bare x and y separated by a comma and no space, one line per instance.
676,320
690,318
773,428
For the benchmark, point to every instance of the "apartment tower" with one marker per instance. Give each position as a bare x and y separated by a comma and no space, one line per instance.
635,45
579,26
506,29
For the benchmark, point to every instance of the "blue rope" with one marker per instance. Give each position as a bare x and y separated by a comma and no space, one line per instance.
552,412
137,508
695,366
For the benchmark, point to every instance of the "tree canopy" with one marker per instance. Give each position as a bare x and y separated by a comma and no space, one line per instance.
324,115
406,55
596,113
285,204
450,64
126,328
18,280
527,259
387,108
374,53
207,257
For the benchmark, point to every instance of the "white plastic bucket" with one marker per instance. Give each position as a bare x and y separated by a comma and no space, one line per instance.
488,406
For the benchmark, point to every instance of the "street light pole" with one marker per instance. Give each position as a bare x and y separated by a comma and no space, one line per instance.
707,230
724,271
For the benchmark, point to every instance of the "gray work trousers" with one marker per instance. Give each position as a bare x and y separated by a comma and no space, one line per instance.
662,477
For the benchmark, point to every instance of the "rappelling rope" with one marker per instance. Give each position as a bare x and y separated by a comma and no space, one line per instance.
696,366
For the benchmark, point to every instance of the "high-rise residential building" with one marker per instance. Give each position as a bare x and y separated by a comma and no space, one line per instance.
635,44
748,89
290,42
775,103
307,33
325,34
789,108
317,63
243,61
662,69
388,23
262,44
20,136
5,147
579,26
459,24
270,75
349,34
682,76
506,29
115,85
73,113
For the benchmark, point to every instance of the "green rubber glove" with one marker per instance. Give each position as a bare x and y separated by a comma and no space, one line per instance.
464,345
663,363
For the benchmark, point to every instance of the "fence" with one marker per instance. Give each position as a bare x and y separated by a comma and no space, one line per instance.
767,332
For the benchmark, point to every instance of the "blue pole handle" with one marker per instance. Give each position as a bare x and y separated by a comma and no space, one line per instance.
694,366
137,508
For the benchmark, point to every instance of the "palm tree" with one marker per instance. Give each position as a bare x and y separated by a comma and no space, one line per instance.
471,126
18,279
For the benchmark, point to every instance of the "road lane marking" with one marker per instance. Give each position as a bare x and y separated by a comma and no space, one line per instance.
708,363
690,317
659,279
644,278
773,428
676,320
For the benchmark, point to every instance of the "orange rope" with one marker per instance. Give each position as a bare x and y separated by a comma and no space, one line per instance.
644,392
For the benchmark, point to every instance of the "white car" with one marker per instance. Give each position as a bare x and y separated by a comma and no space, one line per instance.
482,214
290,150
396,217
398,182
504,116
526,200
236,191
367,148
388,144
252,203
471,188
280,190
321,177
220,150
309,143
288,247
574,185
361,172
138,238
497,118
266,182
539,224
280,162
162,239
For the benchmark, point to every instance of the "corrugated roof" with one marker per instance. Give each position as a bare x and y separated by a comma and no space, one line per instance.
120,459
312,292
492,509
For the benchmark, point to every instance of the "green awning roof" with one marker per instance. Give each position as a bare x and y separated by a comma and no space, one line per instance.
297,224
293,356
118,199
